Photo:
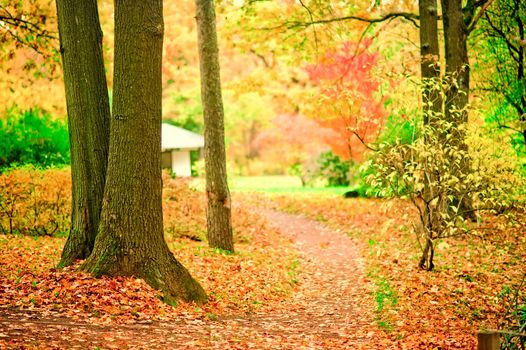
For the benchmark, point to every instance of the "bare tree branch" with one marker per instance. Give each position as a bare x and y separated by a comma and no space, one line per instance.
299,24
474,21
6,19
363,142
311,19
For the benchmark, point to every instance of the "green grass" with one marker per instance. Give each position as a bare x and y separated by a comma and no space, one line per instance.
385,295
279,184
293,268
386,300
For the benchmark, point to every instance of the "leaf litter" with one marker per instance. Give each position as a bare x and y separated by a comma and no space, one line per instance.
293,283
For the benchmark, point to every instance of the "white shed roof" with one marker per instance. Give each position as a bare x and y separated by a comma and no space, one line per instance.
173,137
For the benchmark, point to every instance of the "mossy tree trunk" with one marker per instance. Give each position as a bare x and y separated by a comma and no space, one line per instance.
219,222
130,239
88,120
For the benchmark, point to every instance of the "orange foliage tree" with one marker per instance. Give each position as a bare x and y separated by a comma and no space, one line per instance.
348,98
29,55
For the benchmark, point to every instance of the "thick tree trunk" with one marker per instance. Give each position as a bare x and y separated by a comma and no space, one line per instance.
88,119
219,223
430,59
130,239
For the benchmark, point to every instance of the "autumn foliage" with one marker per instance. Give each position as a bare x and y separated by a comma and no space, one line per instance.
37,203
295,86
468,291
302,137
33,202
348,99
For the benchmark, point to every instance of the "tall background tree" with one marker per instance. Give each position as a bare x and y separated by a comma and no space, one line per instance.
501,40
429,57
219,222
88,120
458,23
131,239
457,63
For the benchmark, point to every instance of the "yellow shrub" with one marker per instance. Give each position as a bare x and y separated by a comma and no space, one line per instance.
35,202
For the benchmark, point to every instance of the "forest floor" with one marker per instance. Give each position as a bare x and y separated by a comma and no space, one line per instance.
331,308
310,271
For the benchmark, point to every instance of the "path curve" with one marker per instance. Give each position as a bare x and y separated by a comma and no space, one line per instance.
333,306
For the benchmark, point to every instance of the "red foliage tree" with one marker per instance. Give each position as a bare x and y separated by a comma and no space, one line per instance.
349,99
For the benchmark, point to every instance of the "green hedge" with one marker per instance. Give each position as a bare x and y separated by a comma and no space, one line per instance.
32,137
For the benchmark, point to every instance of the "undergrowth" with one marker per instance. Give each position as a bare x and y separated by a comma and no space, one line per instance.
443,308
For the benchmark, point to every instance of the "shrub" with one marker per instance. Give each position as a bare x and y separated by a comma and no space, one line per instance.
34,202
438,173
397,131
33,137
513,300
330,168
183,209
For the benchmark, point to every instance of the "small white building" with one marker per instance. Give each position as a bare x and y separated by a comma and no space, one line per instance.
176,144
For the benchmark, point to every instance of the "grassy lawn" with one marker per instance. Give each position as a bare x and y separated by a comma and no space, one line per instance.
274,184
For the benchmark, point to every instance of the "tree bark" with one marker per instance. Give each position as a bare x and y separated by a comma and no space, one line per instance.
130,239
219,222
521,58
457,63
457,93
88,120
430,59
431,84
428,253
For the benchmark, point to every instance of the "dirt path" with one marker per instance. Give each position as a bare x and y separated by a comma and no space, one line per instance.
333,306
330,309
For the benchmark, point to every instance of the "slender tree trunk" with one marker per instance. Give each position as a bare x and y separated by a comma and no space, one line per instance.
219,223
430,59
88,120
431,90
521,57
457,94
457,63
426,260
130,239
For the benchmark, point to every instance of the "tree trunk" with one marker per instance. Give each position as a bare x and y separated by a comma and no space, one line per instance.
426,260
457,63
130,239
430,59
521,57
430,76
219,222
88,120
457,94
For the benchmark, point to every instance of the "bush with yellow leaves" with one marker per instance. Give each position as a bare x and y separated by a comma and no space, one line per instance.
446,166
